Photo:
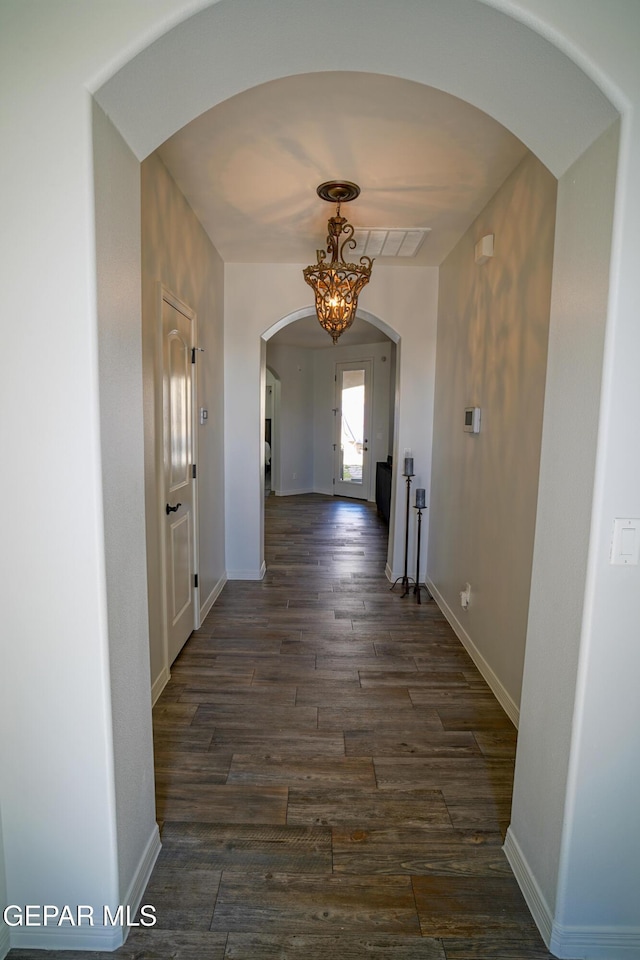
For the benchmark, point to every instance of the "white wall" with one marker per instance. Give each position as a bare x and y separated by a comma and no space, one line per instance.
58,795
258,296
294,368
325,399
493,322
393,398
541,806
4,930
121,434
177,253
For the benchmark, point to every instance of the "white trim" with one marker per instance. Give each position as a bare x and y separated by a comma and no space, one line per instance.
141,876
159,684
293,493
213,596
5,944
499,691
529,886
596,943
368,364
310,311
394,577
248,574
98,937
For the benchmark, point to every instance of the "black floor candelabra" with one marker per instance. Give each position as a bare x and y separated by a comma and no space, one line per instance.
405,580
420,505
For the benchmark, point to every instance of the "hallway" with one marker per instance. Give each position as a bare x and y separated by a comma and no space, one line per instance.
333,774
331,765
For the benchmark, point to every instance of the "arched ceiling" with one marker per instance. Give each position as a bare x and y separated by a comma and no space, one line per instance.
259,102
464,47
250,166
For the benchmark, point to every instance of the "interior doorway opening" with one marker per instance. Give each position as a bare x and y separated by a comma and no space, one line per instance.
353,428
271,474
317,425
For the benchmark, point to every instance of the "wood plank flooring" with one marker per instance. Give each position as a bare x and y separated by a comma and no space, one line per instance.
333,776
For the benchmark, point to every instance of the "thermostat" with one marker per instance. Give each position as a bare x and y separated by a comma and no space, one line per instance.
472,420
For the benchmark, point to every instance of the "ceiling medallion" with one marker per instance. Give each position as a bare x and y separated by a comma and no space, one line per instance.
336,284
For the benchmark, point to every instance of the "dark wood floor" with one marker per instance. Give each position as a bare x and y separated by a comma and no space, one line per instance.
333,775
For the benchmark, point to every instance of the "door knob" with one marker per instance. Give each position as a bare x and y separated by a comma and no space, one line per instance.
171,509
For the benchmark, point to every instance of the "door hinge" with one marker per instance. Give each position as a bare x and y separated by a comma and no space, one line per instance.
195,579
334,446
193,354
334,481
193,471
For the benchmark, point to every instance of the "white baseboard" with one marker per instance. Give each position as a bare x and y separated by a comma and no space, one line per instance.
393,577
159,684
531,892
85,937
213,596
568,942
499,691
138,885
5,944
596,943
248,574
293,493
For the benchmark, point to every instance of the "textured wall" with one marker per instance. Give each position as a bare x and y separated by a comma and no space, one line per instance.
559,576
493,324
177,252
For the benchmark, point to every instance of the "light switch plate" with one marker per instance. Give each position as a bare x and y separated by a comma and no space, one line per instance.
625,548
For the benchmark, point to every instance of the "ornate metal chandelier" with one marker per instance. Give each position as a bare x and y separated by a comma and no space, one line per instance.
336,284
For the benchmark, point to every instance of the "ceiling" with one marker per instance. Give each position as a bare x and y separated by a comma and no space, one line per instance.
249,167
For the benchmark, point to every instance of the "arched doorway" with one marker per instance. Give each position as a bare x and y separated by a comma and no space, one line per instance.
401,419
61,257
555,155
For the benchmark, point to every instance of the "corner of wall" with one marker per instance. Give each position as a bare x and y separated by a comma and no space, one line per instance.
4,929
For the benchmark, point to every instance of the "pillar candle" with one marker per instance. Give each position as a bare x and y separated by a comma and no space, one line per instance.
420,498
408,466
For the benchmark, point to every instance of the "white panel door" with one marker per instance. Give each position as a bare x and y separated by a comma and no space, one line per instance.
353,429
177,340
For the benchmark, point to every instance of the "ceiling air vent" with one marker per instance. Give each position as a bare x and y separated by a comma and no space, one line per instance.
388,242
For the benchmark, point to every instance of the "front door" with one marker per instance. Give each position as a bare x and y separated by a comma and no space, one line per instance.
178,511
353,429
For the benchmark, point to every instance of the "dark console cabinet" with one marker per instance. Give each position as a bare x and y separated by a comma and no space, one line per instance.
383,489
